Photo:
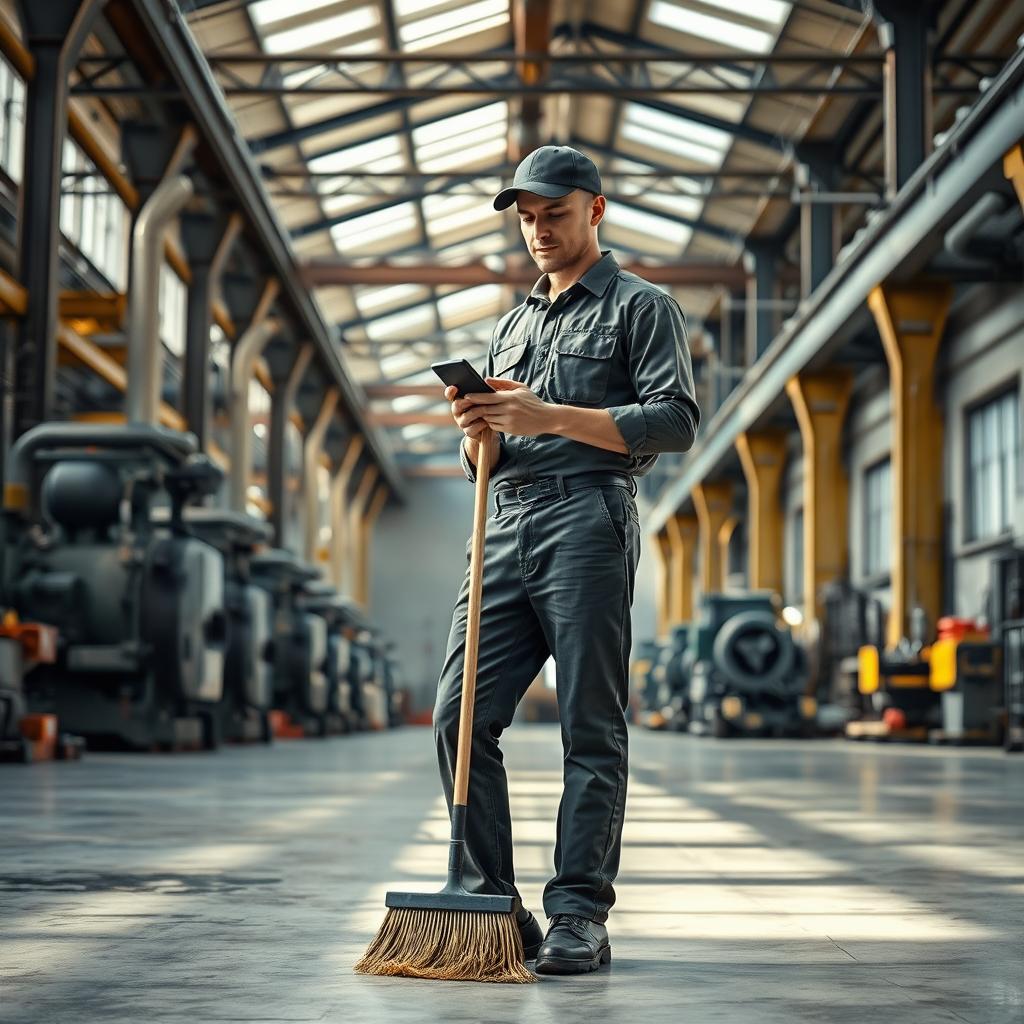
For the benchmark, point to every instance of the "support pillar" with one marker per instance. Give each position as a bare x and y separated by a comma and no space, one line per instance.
357,528
907,88
311,449
682,531
763,457
208,242
820,401
282,402
713,502
759,261
1013,170
54,32
663,600
816,172
340,523
910,321
725,532
377,503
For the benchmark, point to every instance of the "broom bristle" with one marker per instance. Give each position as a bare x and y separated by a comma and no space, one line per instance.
447,945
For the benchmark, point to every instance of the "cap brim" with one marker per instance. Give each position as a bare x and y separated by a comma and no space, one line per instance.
506,197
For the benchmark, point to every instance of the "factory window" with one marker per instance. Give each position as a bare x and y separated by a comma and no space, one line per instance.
93,217
12,121
993,465
878,518
173,304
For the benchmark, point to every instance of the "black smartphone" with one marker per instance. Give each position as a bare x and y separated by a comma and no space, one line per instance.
462,374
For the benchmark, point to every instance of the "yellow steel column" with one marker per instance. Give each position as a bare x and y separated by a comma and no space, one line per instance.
663,553
725,532
380,498
820,401
1013,170
763,456
357,531
713,502
340,526
910,320
682,535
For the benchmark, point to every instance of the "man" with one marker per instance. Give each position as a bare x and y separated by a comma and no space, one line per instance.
593,380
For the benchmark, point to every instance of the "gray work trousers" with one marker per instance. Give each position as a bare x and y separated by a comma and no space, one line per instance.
559,570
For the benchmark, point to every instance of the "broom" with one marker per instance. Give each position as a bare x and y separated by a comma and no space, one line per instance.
455,935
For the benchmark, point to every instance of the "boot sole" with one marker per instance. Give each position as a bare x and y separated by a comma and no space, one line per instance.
560,965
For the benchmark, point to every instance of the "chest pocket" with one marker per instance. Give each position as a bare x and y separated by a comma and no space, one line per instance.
505,359
581,364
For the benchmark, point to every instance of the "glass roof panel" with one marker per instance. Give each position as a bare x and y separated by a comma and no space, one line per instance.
774,12
675,134
374,229
369,300
463,139
436,29
682,18
636,220
323,31
409,322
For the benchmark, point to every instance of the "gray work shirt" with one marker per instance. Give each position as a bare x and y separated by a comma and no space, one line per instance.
612,341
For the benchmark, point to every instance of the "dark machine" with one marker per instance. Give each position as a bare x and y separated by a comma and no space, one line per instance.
298,641
747,676
139,606
664,689
1007,618
242,716
322,599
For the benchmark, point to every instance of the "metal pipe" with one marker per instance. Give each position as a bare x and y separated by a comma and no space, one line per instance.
958,238
17,490
145,354
311,448
243,362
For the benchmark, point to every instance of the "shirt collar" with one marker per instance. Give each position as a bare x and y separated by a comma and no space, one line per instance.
595,280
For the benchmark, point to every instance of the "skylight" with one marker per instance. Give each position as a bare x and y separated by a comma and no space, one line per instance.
457,307
674,134
323,31
407,324
722,30
374,229
632,219
462,140
449,213
437,29
370,300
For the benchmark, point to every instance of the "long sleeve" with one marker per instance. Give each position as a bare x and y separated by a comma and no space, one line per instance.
666,416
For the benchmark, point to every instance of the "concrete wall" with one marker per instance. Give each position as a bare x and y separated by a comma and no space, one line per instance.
982,354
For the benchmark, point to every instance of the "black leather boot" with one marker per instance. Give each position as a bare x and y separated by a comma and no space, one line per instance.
573,945
531,931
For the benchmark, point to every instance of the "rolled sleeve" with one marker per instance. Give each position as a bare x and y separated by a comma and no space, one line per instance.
666,416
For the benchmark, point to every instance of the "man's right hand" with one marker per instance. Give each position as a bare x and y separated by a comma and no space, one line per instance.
469,418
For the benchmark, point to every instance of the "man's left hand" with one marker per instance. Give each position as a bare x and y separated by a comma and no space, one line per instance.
514,409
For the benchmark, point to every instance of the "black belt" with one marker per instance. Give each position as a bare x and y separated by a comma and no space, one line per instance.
520,492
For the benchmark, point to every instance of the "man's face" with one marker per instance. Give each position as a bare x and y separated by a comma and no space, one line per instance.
558,231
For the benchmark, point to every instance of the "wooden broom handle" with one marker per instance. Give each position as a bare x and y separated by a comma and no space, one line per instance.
476,586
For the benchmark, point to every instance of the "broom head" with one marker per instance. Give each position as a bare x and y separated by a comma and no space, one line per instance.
451,935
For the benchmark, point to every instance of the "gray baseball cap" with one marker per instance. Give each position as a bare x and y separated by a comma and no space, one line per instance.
551,171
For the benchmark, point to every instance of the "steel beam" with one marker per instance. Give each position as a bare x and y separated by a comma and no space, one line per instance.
322,273
713,502
897,245
816,171
54,33
282,401
759,262
906,104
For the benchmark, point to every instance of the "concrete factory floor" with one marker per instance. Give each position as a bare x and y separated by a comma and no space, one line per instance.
760,882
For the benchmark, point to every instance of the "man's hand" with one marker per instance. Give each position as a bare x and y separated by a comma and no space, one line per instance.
512,409
467,414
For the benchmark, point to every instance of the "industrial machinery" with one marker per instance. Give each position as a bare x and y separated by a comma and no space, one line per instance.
665,700
138,605
965,669
746,674
1007,618
643,696
242,716
298,642
320,598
